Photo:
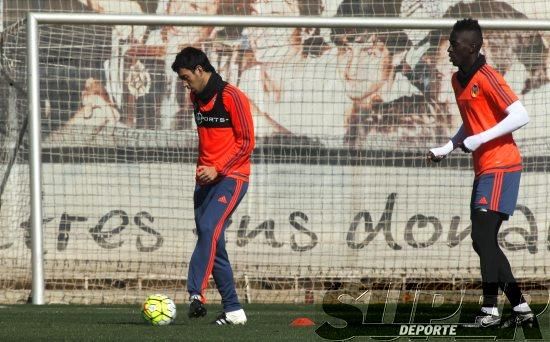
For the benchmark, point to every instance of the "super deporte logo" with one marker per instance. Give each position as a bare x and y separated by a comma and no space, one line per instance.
421,318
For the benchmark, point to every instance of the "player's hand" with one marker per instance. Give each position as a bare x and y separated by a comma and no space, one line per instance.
206,174
471,143
437,154
434,158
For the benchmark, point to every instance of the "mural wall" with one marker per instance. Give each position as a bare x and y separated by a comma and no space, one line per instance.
353,88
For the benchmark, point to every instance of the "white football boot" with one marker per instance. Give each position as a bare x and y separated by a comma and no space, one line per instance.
231,318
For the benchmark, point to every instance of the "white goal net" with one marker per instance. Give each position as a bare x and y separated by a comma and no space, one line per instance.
340,190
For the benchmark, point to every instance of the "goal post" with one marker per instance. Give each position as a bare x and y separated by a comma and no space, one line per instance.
380,155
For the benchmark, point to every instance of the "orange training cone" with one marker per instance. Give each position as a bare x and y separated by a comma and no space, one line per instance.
302,322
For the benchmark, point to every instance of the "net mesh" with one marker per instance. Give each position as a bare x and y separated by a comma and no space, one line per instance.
340,191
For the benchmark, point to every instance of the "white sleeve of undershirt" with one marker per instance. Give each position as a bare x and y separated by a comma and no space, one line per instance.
451,144
516,118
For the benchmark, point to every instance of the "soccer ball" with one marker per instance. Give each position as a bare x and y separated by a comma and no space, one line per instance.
158,309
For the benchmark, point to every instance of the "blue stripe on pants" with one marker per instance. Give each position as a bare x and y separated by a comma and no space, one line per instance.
214,204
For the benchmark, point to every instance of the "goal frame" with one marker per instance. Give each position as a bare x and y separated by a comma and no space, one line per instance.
35,19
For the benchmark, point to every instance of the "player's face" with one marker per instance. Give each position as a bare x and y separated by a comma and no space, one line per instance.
194,80
461,48
443,74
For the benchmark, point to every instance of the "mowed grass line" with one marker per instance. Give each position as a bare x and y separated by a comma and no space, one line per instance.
267,322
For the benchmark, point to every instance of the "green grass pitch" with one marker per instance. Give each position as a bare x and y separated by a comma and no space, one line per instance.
267,322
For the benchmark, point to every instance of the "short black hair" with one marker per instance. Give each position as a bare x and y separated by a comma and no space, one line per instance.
470,25
190,58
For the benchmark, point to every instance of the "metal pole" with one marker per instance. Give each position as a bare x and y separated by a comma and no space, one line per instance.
1,15
270,21
35,162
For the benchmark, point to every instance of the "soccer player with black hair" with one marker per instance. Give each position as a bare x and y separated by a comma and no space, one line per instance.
490,112
226,140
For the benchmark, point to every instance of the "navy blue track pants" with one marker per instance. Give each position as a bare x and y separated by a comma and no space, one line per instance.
214,204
